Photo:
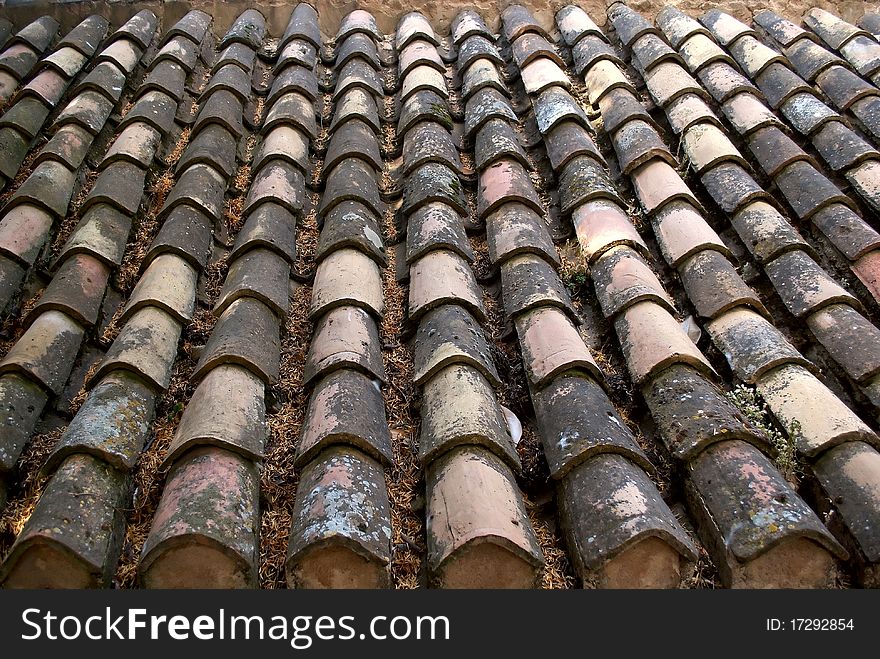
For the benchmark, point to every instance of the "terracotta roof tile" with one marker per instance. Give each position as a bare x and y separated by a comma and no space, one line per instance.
714,286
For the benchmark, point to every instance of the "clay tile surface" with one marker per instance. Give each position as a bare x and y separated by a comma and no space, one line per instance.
226,230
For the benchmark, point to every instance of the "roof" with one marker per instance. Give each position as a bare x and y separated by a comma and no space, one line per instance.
583,304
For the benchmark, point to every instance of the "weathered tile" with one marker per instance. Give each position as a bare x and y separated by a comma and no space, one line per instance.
529,282
355,22
433,182
22,402
652,340
186,233
425,105
516,229
746,113
426,142
146,346
475,48
120,185
488,103
459,409
751,344
495,141
760,532
843,86
619,106
14,148
215,146
347,277
140,28
73,537
629,25
657,183
102,232
201,187
700,50
669,81
722,81
810,59
443,277
812,414
803,286
261,274
248,29
551,346
291,109
556,105
414,26
575,24
517,20
69,146
482,74
169,77
591,50
26,116
636,143
11,276
357,46
354,104
246,334
779,83
567,141
604,76
158,110
89,109
504,182
780,29
806,113
351,224
351,180
651,50
124,53
841,148
725,27
436,226
421,78
864,54
193,26
714,286
846,231
449,335
46,351
303,24
169,284
622,279
584,180
467,23
18,60
48,86
707,146
619,532
753,56
299,52
691,414
227,410
136,143
732,187
270,226
277,182
65,60
49,186
184,53
835,327
529,47
23,232
113,424
476,517
77,289
682,232
601,225
303,81
865,180
344,338
204,532
340,534
765,232
849,474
